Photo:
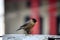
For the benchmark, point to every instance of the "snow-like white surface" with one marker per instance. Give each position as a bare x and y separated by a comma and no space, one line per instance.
28,37
14,37
24,37
35,37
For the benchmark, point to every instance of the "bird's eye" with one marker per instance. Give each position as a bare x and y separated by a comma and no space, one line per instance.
34,20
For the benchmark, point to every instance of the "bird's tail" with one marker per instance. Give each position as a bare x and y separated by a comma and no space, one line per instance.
18,29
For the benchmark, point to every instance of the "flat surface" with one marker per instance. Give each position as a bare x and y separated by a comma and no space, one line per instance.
28,37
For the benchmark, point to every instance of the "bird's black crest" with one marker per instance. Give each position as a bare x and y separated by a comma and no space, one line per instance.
34,20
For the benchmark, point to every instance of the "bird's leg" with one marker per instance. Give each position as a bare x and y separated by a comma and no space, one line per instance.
28,31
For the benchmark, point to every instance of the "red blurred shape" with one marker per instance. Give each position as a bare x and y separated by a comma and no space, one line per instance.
34,14
52,20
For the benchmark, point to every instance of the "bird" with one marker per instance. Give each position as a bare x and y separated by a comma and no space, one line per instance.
28,25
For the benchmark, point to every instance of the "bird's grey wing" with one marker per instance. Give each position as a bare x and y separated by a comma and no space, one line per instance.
24,25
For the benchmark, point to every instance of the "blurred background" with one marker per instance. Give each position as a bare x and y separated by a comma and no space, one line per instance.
47,12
